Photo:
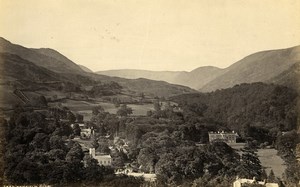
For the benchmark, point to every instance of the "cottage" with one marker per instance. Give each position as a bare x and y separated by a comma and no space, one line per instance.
227,137
104,160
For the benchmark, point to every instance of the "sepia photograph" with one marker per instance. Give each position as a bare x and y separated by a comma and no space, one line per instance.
150,93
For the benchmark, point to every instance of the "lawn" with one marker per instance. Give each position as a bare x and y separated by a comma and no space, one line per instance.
270,160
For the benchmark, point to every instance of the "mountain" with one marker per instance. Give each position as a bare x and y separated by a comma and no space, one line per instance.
194,79
199,77
18,73
85,68
266,66
259,67
47,58
66,71
167,76
289,77
13,68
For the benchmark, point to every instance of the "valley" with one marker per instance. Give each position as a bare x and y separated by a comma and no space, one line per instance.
104,129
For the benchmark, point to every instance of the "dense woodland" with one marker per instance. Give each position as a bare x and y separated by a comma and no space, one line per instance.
252,110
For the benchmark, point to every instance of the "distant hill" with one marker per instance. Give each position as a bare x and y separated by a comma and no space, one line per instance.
154,88
265,66
64,70
194,79
136,74
200,76
85,69
259,67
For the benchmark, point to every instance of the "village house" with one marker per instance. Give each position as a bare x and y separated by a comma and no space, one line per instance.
150,177
241,182
227,137
86,133
104,160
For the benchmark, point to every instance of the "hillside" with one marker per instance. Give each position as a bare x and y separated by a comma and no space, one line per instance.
194,79
14,68
85,69
199,77
256,104
154,88
65,70
289,77
47,58
258,67
17,73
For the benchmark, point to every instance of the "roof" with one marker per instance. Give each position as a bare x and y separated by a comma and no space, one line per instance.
103,156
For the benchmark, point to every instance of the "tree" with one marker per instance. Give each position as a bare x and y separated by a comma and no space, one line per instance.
40,141
157,106
97,109
75,153
271,177
56,142
124,111
95,143
79,118
92,172
71,117
76,129
72,172
250,164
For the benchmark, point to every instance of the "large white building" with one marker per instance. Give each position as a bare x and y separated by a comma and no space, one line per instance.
228,137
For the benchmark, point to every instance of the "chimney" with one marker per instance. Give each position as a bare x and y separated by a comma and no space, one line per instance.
92,152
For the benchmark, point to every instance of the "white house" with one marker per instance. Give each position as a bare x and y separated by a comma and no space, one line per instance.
228,137
86,133
239,183
104,160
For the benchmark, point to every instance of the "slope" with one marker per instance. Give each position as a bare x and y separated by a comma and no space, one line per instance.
255,104
258,67
63,67
85,68
194,79
47,58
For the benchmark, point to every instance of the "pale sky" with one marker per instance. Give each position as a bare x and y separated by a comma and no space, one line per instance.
152,34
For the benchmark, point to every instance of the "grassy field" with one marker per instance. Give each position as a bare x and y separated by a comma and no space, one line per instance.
85,108
270,160
141,110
